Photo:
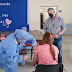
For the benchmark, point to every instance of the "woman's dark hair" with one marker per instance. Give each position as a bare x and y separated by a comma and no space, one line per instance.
48,39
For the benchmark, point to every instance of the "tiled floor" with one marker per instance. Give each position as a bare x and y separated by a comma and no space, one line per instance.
67,53
67,57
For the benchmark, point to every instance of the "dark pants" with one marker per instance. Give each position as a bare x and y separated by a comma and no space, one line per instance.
58,42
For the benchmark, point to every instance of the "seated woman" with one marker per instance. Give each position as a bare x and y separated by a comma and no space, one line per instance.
46,54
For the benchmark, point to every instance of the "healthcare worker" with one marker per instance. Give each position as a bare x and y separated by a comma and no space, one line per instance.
9,50
30,40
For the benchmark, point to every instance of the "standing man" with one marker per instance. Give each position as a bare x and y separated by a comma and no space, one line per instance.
56,26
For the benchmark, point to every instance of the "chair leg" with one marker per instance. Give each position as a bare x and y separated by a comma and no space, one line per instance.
31,54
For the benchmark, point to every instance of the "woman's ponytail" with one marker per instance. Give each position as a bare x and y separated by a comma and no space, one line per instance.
48,39
52,52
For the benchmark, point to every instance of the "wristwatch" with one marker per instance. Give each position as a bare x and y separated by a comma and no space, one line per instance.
58,34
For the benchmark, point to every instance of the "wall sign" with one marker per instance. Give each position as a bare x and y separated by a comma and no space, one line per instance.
13,14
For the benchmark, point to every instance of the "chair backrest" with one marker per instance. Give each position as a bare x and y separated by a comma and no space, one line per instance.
49,68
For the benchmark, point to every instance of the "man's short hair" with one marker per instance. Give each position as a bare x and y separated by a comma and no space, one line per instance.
50,9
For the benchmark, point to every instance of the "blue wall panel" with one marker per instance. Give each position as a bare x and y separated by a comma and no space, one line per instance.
17,12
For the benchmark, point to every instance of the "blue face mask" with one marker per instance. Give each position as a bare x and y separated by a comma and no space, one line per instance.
21,41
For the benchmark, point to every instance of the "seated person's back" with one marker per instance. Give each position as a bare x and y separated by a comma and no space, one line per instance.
46,54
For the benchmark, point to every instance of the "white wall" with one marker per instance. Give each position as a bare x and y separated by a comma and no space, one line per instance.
34,14
64,5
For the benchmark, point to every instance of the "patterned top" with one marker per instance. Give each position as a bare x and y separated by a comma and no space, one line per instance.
54,26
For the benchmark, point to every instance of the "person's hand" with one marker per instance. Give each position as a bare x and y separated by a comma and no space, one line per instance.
25,57
34,47
37,44
56,36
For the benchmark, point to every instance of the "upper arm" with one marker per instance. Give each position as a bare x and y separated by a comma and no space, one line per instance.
35,58
32,39
56,53
62,25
